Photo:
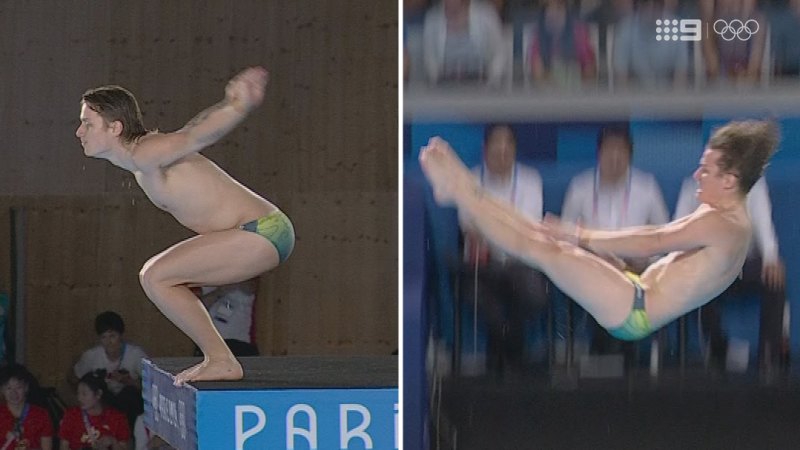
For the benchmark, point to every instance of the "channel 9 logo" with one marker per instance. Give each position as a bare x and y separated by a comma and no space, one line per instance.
692,29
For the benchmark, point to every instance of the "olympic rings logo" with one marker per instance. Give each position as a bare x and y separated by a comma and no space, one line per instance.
736,29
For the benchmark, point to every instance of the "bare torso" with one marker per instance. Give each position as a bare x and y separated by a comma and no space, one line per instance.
685,280
201,196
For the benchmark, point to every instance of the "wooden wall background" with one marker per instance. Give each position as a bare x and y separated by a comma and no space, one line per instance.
323,147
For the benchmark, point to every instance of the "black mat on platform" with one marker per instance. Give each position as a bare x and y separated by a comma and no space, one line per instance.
299,372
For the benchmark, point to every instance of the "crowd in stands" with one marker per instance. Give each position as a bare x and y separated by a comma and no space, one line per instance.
601,44
106,379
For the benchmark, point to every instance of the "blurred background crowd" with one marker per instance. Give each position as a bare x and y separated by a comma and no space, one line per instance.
600,44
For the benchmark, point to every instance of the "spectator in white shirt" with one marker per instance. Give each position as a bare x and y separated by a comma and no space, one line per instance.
231,308
118,362
763,273
463,43
611,196
509,292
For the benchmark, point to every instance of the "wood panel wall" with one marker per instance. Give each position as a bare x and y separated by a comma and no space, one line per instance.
323,147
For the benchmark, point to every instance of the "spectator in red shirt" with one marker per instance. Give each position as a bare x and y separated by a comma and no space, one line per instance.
22,424
92,425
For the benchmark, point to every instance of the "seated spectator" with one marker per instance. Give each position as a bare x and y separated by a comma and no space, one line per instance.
93,424
561,53
118,361
508,291
639,58
23,425
231,309
737,60
463,43
614,195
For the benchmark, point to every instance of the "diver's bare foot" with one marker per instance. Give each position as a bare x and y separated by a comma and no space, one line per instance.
212,370
445,171
181,378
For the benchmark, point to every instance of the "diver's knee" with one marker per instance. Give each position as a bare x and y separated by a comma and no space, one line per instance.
149,277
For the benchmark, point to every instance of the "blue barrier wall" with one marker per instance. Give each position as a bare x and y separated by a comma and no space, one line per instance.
415,328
